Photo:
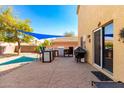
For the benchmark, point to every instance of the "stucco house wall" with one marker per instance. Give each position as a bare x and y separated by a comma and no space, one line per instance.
92,17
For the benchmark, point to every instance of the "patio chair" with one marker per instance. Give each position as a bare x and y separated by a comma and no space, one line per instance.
69,52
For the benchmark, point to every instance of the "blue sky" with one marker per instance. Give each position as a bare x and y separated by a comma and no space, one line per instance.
49,19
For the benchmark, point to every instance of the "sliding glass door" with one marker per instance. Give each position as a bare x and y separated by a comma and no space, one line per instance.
103,47
97,47
108,47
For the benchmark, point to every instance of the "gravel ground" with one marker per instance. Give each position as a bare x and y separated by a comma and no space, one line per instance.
63,72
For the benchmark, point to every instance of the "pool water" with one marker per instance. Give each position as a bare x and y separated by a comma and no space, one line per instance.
22,59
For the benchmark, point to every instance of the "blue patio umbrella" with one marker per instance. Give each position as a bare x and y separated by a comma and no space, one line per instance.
40,36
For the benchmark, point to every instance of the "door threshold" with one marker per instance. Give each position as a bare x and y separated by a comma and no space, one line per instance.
109,72
106,72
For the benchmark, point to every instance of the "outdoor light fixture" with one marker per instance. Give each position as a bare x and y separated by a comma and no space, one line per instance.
99,24
89,38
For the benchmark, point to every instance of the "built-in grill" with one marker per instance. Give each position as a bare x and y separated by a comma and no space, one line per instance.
79,53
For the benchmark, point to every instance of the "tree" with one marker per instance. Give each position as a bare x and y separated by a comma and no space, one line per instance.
43,45
69,34
47,43
9,26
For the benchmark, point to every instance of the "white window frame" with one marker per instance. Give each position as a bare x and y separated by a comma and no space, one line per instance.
101,48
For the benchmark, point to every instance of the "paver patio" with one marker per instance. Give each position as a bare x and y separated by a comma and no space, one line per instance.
61,73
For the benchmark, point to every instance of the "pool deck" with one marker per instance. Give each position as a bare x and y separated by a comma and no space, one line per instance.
63,72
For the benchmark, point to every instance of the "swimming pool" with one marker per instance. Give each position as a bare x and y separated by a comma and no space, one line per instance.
22,59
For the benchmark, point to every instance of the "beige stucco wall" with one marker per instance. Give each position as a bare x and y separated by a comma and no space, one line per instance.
88,19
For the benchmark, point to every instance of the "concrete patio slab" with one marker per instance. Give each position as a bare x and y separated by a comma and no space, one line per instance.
63,72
